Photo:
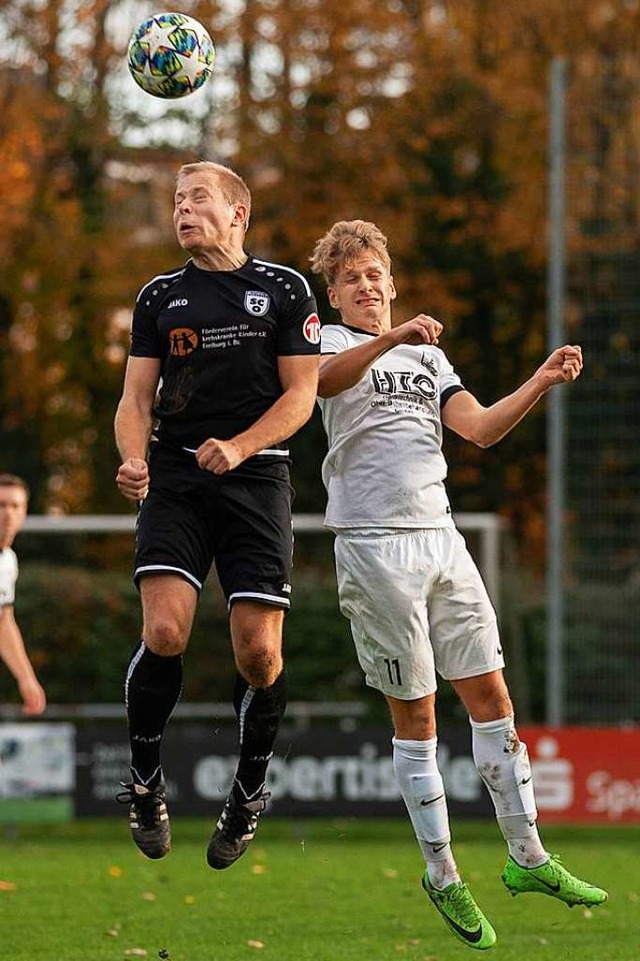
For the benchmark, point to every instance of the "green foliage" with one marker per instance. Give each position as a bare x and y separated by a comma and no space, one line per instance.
321,660
81,624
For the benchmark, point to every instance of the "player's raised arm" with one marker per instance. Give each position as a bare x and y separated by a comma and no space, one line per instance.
486,426
341,371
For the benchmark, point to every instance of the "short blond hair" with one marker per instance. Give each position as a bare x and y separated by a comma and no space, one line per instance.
232,185
345,242
12,480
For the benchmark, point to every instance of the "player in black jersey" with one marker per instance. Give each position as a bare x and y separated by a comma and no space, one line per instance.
223,368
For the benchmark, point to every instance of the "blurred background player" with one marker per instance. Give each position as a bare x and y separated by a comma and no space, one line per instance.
408,585
235,342
14,500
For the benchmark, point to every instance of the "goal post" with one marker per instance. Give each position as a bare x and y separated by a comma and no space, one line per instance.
485,526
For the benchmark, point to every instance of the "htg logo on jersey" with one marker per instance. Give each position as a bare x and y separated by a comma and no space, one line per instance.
256,302
180,302
404,382
182,341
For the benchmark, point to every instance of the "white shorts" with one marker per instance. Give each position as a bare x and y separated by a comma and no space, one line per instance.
417,605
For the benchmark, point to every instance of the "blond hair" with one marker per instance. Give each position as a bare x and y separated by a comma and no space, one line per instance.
345,242
12,480
231,184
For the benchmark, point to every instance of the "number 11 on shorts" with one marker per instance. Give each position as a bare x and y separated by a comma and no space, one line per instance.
393,670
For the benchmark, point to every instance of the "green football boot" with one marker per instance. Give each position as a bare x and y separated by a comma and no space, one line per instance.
553,879
465,919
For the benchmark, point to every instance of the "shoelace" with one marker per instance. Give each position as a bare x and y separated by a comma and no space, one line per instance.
555,861
128,796
239,817
562,875
467,909
146,804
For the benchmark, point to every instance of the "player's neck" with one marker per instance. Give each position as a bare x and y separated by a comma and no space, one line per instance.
369,325
220,259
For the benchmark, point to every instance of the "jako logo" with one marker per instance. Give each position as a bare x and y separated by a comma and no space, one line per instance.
178,303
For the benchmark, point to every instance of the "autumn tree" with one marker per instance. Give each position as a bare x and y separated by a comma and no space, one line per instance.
427,116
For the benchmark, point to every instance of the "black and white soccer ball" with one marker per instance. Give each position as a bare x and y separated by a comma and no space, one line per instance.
170,55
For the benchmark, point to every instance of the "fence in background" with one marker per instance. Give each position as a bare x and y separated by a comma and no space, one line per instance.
594,270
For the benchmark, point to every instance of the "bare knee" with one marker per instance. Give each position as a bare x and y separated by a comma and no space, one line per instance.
164,637
168,607
486,697
257,643
413,720
259,664
491,708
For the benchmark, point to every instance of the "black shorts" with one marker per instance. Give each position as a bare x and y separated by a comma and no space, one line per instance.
239,521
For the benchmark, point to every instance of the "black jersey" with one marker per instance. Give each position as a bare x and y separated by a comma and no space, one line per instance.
219,335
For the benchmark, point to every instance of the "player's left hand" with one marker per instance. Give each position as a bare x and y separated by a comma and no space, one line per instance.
33,697
219,456
561,366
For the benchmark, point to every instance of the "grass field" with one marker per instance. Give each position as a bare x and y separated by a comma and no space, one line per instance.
305,891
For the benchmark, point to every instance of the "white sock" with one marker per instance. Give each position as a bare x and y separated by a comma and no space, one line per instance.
503,764
422,788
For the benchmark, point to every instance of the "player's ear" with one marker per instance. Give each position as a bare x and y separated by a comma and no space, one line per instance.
240,216
333,298
392,289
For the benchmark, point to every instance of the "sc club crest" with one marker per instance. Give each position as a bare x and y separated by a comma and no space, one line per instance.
256,302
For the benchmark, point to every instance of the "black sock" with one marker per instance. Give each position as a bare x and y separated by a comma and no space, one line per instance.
152,690
259,712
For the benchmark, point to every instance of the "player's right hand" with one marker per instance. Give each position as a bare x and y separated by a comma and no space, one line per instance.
133,479
421,329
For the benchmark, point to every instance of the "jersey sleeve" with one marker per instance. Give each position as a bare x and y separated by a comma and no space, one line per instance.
145,341
450,382
333,339
299,324
8,577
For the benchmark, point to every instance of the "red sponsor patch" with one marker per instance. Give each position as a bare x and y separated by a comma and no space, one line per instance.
311,329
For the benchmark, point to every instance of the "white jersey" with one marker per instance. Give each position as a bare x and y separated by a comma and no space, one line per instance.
8,576
384,466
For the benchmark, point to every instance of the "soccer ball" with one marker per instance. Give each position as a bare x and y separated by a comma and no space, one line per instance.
170,55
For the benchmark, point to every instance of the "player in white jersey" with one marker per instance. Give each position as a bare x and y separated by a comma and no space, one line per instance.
14,498
413,595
